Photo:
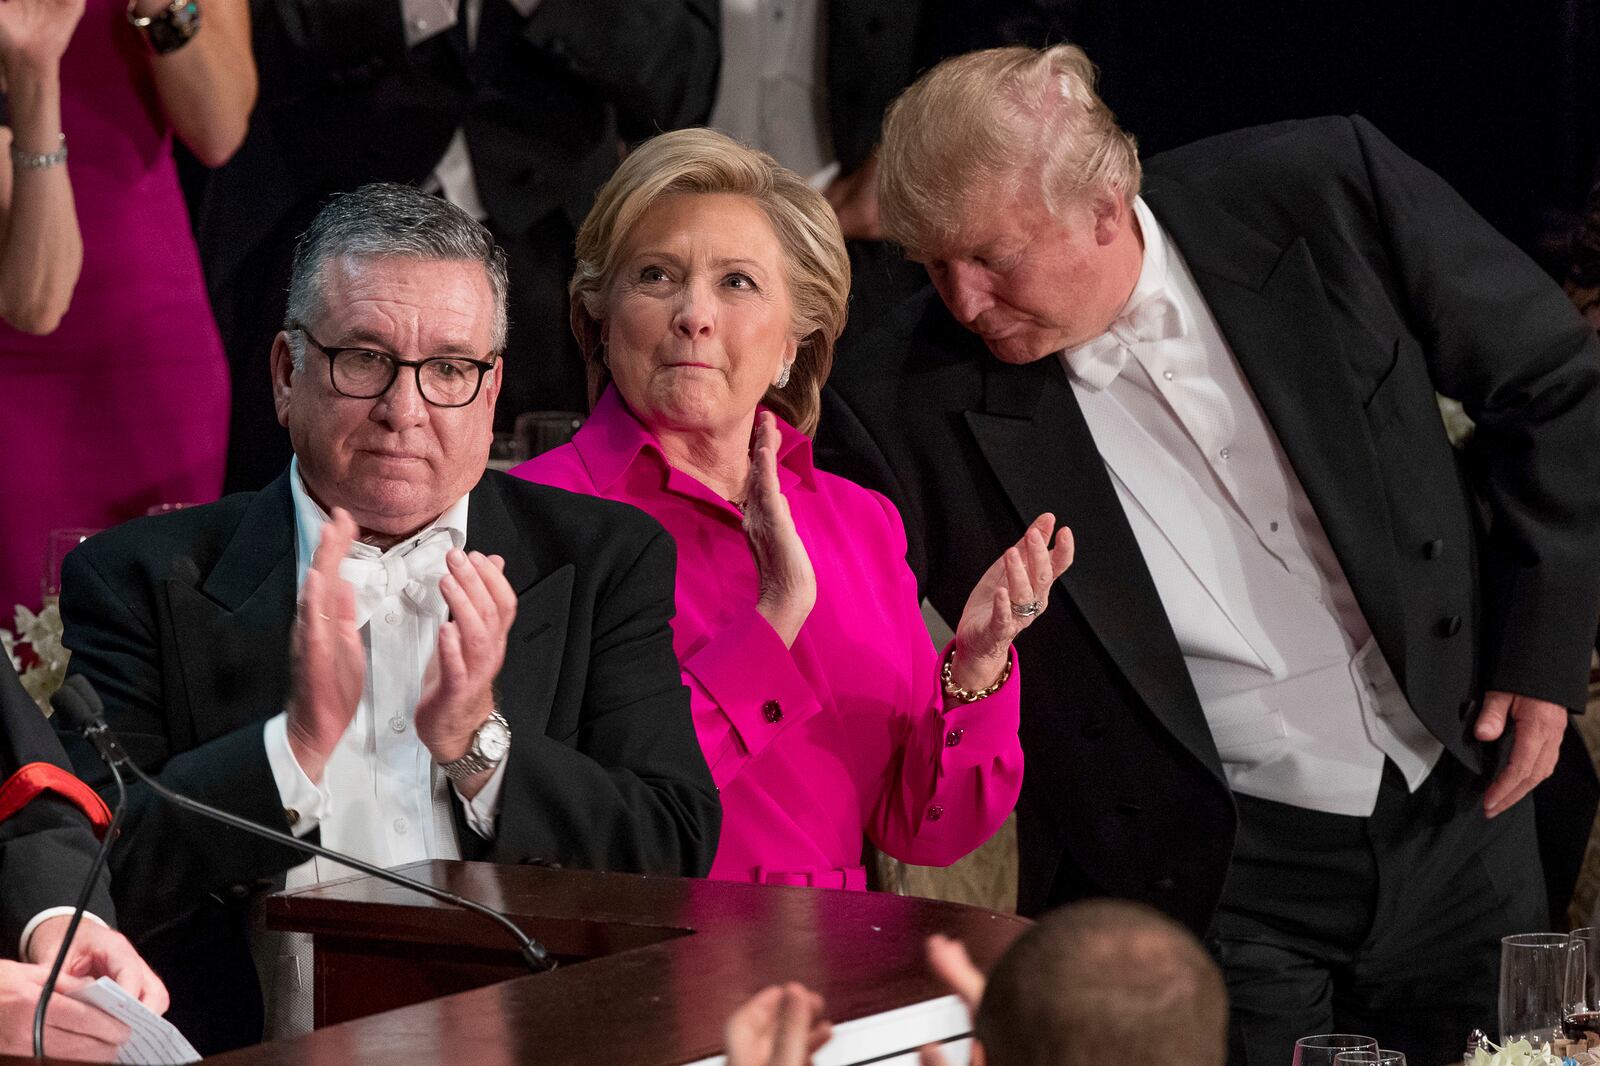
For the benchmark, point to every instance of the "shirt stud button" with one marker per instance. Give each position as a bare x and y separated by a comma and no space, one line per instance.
952,738
393,618
1167,374
397,724
935,813
1223,453
1273,526
772,711
400,825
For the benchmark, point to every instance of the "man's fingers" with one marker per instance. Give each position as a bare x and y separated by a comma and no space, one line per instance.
789,1047
1492,719
60,1044
70,1016
951,964
930,1055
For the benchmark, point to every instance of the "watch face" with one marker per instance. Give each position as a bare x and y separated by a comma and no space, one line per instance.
493,740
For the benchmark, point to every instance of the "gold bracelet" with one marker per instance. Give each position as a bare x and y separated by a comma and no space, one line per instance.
965,695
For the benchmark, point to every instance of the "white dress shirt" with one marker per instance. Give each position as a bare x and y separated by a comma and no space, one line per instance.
382,799
1301,703
772,90
453,177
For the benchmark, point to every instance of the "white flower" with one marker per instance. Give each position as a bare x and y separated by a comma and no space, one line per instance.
1516,1053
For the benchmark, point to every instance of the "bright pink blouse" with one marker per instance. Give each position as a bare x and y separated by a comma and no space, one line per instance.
846,732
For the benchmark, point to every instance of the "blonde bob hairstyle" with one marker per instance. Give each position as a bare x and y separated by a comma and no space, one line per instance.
983,124
703,161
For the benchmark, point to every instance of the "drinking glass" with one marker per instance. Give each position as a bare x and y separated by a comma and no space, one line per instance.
1369,1058
1320,1050
1533,985
1583,986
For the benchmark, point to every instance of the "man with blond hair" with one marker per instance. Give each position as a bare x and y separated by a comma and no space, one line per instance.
1312,657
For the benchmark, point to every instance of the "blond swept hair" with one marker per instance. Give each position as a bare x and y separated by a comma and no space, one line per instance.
706,162
986,123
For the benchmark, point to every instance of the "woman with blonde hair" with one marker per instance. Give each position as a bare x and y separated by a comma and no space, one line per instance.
710,288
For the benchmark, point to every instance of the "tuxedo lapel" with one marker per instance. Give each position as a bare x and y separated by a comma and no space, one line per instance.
537,641
232,631
1034,437
1272,308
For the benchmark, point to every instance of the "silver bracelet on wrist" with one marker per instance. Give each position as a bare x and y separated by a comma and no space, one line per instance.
39,160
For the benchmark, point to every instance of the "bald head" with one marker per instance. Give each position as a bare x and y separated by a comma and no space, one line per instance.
1099,975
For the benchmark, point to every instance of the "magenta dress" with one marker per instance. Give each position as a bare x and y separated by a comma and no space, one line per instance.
125,405
845,734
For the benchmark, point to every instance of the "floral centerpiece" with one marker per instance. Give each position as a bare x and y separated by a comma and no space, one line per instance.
35,649
1523,1053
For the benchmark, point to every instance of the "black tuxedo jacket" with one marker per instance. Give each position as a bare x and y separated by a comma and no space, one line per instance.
1351,284
182,622
46,848
545,102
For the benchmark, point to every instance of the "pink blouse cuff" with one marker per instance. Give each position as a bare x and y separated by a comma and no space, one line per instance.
975,733
746,669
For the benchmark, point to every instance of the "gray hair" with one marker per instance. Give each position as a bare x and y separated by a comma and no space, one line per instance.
381,220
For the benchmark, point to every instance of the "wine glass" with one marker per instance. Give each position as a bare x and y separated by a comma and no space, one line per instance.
1369,1058
1534,985
1321,1050
60,542
1582,1000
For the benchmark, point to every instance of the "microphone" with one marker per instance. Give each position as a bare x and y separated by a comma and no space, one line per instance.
79,705
61,702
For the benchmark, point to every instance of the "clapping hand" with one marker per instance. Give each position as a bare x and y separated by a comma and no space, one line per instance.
330,665
458,687
950,962
1010,595
788,583
778,1026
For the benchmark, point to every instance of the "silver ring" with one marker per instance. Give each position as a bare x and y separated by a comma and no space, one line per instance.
1027,610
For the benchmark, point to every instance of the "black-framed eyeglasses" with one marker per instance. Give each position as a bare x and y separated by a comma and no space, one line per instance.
365,374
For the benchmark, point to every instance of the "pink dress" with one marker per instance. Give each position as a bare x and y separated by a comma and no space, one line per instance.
843,734
125,405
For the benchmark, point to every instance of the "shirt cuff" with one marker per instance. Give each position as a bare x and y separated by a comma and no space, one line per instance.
305,803
483,810
44,916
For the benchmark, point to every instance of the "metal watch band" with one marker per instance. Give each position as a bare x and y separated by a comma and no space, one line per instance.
464,767
474,761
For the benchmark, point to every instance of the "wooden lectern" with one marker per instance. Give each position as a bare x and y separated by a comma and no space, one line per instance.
651,966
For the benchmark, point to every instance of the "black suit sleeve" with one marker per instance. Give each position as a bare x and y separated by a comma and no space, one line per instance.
1501,339
656,60
630,791
306,46
46,849
167,861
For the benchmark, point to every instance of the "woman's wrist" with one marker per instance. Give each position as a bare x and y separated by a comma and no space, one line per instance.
968,677
784,619
33,96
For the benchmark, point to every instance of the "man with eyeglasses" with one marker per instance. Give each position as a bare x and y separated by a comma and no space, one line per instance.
387,648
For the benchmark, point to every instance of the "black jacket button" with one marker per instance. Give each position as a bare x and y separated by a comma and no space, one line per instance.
1433,549
1449,627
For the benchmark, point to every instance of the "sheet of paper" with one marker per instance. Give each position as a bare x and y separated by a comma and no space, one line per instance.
892,1037
153,1041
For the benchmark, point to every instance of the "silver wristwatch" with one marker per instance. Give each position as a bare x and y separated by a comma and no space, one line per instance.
489,746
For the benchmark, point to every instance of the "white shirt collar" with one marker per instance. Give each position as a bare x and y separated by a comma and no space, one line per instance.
309,518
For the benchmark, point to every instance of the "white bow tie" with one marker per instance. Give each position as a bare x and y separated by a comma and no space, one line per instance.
412,575
1155,318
